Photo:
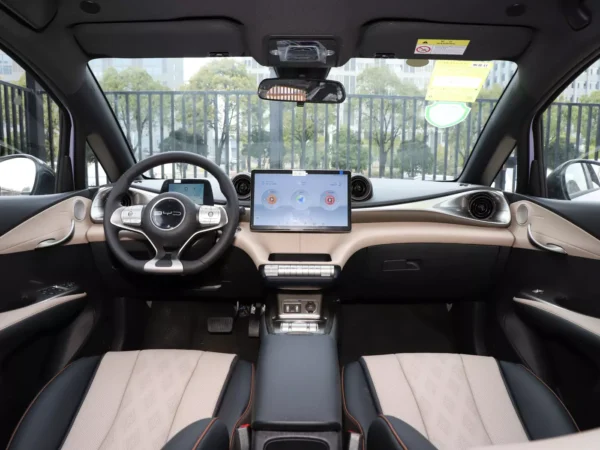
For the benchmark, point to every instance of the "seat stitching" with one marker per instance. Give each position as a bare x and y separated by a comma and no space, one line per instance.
183,394
32,403
348,412
210,424
393,431
121,402
413,394
474,399
553,393
246,410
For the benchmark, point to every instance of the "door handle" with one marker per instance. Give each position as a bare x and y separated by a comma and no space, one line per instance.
54,242
548,247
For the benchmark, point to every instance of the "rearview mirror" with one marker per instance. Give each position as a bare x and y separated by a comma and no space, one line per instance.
301,90
576,179
25,175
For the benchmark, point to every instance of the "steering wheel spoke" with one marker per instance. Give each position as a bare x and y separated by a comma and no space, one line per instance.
165,262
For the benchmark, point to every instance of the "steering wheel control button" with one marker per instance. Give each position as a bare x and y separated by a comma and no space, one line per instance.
132,215
209,215
167,214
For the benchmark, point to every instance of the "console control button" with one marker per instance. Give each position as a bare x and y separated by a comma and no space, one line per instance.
132,215
305,270
310,307
209,215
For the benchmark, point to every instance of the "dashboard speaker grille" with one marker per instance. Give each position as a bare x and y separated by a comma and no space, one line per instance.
482,206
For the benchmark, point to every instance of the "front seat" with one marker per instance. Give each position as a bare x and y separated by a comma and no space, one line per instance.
149,399
428,401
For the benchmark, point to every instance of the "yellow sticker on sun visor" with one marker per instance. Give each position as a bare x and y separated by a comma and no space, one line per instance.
441,46
457,81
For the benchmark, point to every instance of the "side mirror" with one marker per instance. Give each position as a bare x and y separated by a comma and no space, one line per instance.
301,90
576,179
25,175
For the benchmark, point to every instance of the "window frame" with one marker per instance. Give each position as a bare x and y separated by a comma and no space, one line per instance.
66,180
537,183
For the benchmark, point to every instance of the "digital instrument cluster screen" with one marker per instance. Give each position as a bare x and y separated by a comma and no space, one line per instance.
298,200
197,190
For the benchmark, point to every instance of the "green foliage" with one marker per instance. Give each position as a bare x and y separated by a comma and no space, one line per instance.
218,111
137,114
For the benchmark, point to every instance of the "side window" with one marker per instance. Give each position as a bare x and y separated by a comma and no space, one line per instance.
571,140
94,174
506,180
29,133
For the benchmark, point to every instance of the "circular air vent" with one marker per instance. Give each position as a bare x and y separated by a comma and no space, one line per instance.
361,188
243,186
126,200
482,206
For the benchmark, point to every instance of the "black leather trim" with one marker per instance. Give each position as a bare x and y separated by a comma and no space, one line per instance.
48,418
542,413
225,385
358,399
372,390
555,325
205,434
298,384
236,396
391,433
51,318
19,208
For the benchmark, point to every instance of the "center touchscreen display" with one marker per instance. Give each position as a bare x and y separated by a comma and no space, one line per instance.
298,200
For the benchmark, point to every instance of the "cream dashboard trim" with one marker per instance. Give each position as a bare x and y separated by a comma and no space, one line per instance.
550,228
52,223
341,246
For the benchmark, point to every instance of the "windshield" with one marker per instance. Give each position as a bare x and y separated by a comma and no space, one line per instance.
414,119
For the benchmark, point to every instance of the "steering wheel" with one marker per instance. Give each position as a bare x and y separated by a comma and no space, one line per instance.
171,221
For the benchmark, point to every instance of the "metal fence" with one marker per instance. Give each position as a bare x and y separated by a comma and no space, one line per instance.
29,122
377,135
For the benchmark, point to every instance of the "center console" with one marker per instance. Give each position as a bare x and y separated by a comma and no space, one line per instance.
298,404
298,401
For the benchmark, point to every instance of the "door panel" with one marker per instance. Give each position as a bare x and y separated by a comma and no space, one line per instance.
558,341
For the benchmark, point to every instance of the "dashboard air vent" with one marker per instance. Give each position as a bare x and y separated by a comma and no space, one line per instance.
125,200
243,186
482,206
361,188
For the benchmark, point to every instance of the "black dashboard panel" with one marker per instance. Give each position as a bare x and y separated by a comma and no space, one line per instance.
385,191
406,272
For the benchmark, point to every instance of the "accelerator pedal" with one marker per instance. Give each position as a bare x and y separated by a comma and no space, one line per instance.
220,325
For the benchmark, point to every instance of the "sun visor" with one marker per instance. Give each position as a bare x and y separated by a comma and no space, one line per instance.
399,39
171,39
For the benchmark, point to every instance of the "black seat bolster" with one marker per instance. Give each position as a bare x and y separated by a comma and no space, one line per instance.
390,433
48,419
205,434
360,403
542,413
235,404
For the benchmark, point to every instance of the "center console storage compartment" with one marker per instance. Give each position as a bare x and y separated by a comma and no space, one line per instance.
298,396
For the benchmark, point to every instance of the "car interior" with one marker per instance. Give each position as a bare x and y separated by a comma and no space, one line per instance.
294,247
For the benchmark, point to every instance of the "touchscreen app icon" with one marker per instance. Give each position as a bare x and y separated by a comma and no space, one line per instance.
329,200
269,199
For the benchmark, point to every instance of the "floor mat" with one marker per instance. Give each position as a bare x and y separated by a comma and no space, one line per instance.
182,325
383,329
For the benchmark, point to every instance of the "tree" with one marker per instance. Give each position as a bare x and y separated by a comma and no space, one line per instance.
137,113
258,147
304,130
352,153
184,141
414,157
220,111
384,115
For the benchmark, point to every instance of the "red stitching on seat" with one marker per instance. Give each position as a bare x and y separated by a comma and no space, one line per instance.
245,411
394,432
31,404
348,412
210,424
